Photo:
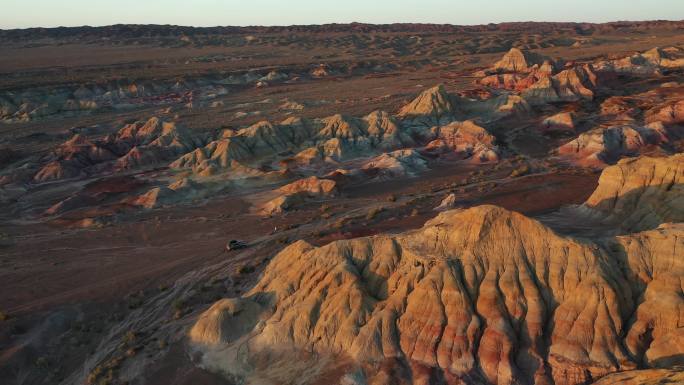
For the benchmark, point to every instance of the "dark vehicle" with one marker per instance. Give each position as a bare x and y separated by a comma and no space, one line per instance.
235,244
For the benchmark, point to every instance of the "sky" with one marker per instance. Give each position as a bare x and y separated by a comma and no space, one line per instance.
53,13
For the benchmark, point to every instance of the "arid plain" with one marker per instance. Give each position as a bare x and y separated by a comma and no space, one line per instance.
414,204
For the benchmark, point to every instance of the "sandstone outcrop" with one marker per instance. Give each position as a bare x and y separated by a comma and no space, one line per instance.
640,193
181,190
36,103
331,139
448,203
574,84
561,122
156,133
312,187
298,192
504,81
465,140
399,163
644,377
538,80
651,62
498,107
542,81
135,145
432,105
151,142
517,71
71,158
618,108
606,145
339,138
386,133
672,113
517,61
482,295
217,155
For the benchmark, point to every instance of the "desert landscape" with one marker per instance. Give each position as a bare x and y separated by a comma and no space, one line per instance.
351,204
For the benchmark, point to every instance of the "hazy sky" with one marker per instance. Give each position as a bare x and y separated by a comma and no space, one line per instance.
52,13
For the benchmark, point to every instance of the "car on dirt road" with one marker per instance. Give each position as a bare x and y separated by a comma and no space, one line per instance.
235,244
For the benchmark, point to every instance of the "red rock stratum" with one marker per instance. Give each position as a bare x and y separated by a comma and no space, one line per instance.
482,295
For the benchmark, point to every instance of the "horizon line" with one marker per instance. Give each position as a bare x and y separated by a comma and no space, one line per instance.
343,23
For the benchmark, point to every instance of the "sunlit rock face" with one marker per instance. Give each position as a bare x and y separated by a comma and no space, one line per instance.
602,146
480,295
640,193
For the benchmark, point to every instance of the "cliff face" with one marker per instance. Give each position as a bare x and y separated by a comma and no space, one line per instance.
482,295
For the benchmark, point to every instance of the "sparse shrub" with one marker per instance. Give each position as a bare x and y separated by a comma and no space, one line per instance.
42,362
339,223
134,302
129,338
93,375
179,308
373,212
520,171
103,374
246,269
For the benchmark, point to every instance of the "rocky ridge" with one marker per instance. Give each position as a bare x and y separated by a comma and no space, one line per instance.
480,295
151,142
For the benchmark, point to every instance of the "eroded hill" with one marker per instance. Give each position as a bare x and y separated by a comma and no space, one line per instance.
481,295
342,204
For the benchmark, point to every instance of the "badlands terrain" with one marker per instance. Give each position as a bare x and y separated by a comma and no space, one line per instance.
419,204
